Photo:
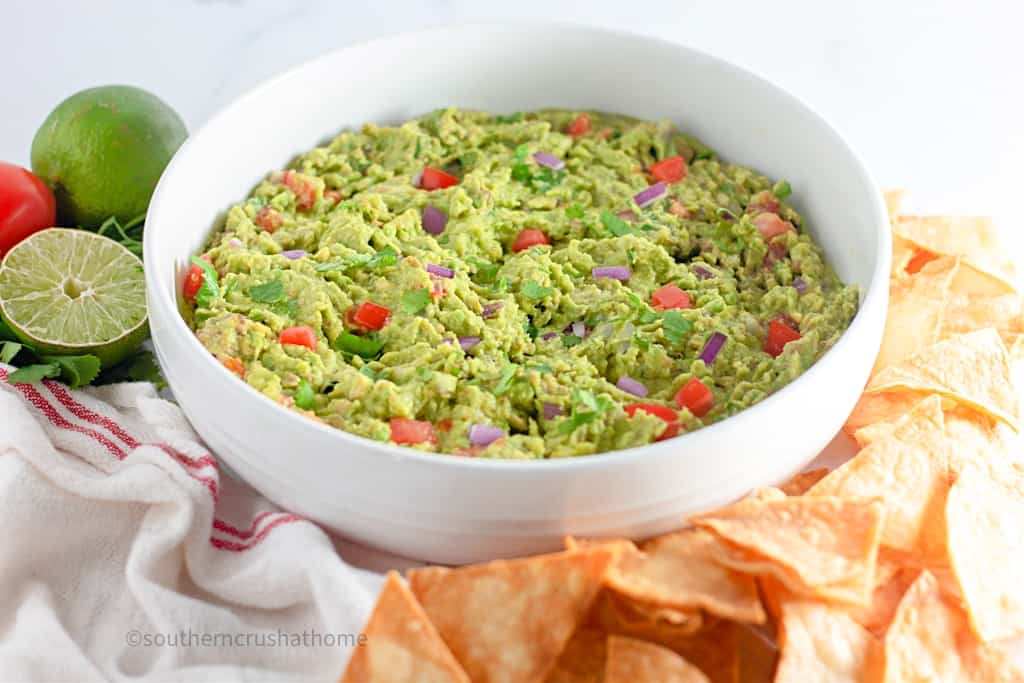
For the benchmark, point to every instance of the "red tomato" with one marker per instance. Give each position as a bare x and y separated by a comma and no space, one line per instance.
234,365
332,195
763,201
26,206
404,430
529,238
193,281
579,126
695,397
303,189
436,179
779,334
670,296
298,336
670,170
658,410
371,316
268,219
770,225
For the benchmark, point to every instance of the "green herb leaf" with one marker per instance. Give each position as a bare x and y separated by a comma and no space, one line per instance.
210,289
381,259
33,373
529,328
615,225
595,407
675,326
574,211
128,235
414,301
509,118
485,272
521,172
570,340
546,178
521,152
532,290
304,396
781,189
365,347
269,293
8,350
140,367
77,371
508,374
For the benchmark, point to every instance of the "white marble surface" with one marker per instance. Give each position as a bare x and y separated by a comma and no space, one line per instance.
928,91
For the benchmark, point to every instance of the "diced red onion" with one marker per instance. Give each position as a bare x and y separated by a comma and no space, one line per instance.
627,215
631,386
579,328
294,254
548,336
468,342
800,285
440,271
712,347
234,243
434,220
548,160
611,272
483,435
648,196
702,272
491,308
551,411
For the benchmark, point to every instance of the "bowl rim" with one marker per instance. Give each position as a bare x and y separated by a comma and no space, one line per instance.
875,296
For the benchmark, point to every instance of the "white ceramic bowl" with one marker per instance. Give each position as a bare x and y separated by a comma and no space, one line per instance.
453,509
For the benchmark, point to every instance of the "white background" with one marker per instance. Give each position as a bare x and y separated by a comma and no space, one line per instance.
930,93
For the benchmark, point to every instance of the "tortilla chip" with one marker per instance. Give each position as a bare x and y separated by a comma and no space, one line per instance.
929,640
893,197
816,546
908,469
970,279
822,644
986,548
676,571
768,493
916,307
631,661
975,239
872,410
903,254
509,620
582,660
892,578
972,369
402,646
967,313
714,650
800,483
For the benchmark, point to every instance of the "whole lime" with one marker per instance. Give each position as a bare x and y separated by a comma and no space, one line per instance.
102,151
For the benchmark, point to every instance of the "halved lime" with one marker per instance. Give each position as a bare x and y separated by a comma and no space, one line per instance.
74,292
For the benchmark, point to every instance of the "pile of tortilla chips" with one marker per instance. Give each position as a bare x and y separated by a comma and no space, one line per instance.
904,564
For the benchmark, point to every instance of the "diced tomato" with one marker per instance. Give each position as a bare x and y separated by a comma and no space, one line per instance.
770,225
269,219
669,170
668,297
918,260
696,397
303,189
677,209
529,238
776,252
404,430
193,281
371,316
779,334
436,179
332,195
664,412
234,365
763,202
579,126
445,425
301,335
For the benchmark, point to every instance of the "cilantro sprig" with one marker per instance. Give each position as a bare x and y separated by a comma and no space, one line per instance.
586,407
542,179
210,289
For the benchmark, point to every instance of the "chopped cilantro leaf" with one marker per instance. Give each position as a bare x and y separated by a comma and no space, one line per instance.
615,225
508,374
415,301
521,152
675,325
570,340
595,407
33,373
269,293
532,290
365,347
210,289
574,211
509,118
8,350
521,172
485,272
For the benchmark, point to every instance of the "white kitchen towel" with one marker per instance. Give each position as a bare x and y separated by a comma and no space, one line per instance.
127,554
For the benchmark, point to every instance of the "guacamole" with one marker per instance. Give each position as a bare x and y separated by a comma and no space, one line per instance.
535,285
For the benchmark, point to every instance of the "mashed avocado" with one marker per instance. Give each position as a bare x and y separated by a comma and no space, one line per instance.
490,286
